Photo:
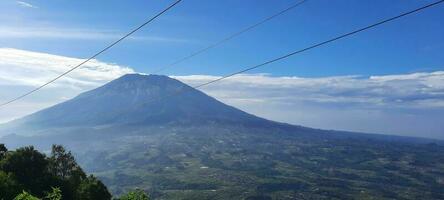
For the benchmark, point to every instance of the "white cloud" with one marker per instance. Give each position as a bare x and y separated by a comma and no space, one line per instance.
49,32
19,67
21,71
405,90
406,104
25,4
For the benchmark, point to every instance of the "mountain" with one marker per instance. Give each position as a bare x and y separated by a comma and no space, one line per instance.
158,134
137,100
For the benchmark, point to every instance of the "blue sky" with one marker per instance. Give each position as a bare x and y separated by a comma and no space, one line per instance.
386,80
409,45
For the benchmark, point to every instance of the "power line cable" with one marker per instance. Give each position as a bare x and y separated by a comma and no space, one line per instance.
230,37
298,51
322,43
92,57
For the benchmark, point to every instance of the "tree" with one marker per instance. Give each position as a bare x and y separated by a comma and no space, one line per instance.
9,188
29,168
25,196
135,195
62,163
3,151
48,178
55,194
92,189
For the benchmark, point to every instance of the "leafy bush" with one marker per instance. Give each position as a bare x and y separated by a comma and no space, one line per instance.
55,194
92,188
135,195
25,196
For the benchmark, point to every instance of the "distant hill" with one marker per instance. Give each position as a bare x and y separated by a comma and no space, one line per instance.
136,132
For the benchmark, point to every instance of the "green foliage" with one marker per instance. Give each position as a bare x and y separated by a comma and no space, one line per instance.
50,178
135,195
9,187
3,151
25,196
62,163
29,167
55,194
92,189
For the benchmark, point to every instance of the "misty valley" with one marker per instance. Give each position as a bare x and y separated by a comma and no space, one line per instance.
195,147
221,100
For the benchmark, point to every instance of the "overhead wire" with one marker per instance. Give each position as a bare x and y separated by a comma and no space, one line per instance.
229,37
93,56
322,43
341,36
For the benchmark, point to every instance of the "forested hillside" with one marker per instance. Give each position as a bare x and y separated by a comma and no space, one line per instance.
27,174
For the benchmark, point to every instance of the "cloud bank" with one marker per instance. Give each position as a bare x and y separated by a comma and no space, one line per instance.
404,104
21,71
26,68
416,90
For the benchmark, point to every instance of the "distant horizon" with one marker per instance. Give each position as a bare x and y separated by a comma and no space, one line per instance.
183,99
389,79
221,92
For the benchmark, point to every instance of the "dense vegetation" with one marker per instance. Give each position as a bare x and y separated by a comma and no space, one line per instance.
239,163
236,162
27,174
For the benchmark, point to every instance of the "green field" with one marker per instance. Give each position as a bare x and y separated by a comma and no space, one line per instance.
218,163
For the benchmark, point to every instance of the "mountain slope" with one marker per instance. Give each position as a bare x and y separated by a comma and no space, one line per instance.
133,132
138,100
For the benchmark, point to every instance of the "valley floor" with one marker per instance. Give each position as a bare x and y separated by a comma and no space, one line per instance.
219,163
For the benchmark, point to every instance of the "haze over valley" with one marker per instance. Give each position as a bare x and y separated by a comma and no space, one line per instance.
221,100
158,134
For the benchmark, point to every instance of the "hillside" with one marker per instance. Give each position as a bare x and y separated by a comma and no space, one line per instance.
133,132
